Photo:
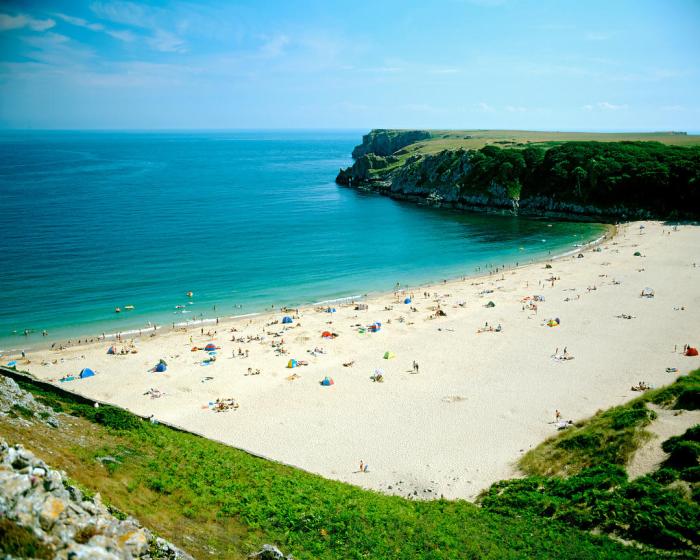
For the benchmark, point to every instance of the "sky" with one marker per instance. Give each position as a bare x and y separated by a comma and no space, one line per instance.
505,64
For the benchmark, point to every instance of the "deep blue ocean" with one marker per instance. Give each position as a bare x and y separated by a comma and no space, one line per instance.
92,221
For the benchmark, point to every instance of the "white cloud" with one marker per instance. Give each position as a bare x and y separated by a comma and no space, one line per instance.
515,109
605,106
673,108
127,13
164,41
123,35
486,108
20,21
80,22
274,46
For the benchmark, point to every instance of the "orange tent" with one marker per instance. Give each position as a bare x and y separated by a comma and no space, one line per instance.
326,334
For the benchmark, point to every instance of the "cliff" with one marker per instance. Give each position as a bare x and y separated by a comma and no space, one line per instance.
584,179
382,142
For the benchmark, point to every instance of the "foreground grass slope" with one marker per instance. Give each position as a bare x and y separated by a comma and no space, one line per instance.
215,500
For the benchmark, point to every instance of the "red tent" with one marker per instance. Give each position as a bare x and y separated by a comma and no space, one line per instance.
326,334
691,351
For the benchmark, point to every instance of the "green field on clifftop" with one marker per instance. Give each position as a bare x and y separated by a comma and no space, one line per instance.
475,139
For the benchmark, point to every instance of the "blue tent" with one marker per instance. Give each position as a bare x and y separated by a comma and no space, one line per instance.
407,300
161,367
87,372
287,320
330,310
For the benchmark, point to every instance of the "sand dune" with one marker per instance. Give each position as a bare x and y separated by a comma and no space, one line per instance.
479,400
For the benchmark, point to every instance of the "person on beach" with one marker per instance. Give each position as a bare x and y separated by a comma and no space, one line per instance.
557,416
362,466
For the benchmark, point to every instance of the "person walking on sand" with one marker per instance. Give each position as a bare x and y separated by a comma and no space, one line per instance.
362,466
557,416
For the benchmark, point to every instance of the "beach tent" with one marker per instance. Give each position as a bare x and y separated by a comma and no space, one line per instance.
160,367
375,327
327,381
291,364
389,355
579,256
647,292
407,300
86,372
210,346
286,320
637,254
326,334
330,310
490,304
553,323
112,350
691,351
162,361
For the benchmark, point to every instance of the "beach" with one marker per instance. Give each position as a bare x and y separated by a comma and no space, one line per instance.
478,401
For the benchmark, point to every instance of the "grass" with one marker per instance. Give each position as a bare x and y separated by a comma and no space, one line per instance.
214,500
20,542
475,139
609,437
590,488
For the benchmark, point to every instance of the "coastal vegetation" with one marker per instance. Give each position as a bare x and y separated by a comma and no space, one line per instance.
579,476
213,499
576,177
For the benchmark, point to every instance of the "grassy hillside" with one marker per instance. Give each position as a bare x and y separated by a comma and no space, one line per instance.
213,500
475,139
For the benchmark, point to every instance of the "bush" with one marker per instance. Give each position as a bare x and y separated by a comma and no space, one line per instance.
115,418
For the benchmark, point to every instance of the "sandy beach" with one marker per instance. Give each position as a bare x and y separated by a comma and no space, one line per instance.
479,399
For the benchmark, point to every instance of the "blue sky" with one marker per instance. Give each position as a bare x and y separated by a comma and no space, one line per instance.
523,64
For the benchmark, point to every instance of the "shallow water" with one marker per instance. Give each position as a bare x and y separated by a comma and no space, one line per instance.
96,220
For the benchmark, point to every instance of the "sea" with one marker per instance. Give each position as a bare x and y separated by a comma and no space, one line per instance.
244,220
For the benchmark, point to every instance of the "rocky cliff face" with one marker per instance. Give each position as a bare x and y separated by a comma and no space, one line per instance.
446,179
66,523
385,142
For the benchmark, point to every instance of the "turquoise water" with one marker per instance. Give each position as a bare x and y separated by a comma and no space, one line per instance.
96,220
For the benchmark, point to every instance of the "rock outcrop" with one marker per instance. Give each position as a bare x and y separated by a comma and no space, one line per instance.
67,524
19,405
385,142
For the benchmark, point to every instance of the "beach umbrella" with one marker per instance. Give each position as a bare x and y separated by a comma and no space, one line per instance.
327,381
330,310
286,320
291,364
407,300
210,346
161,367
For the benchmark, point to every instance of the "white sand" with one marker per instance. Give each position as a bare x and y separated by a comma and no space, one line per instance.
479,401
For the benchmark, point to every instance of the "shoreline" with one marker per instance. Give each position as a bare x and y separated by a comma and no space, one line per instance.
483,395
223,320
